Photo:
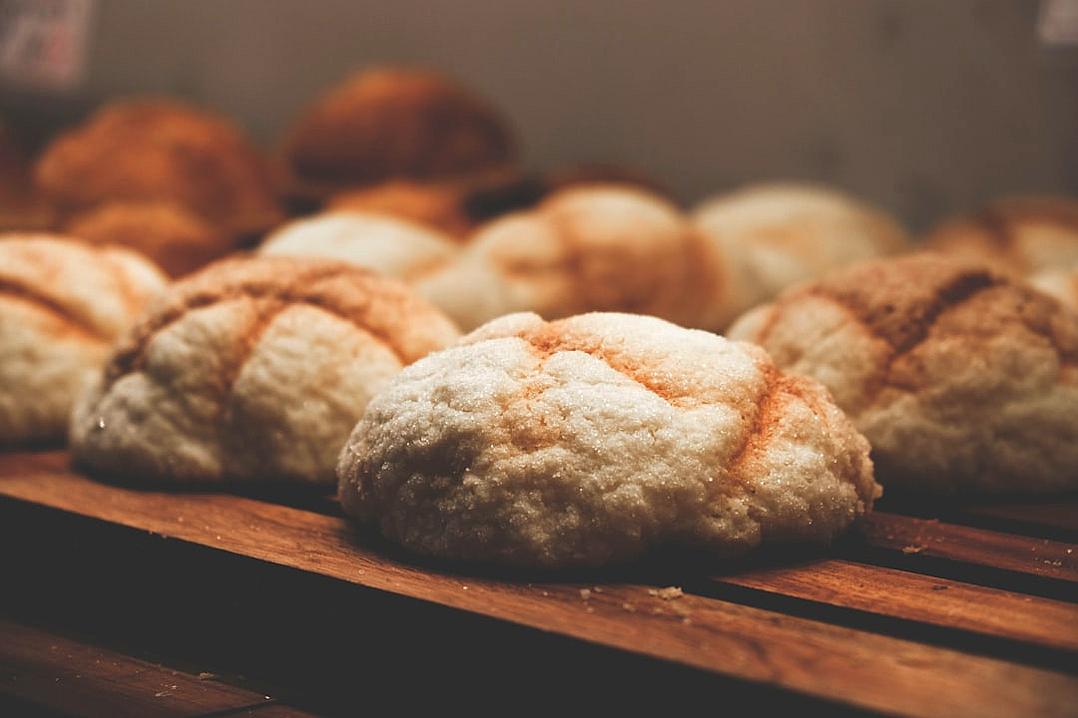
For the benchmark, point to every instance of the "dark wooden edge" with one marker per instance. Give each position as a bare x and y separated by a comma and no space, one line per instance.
732,640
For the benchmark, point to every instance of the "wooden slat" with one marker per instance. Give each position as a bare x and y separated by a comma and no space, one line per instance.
915,597
931,538
830,661
54,672
1058,515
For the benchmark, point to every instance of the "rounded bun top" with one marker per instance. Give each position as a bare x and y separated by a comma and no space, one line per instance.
176,238
384,309
597,438
595,248
388,245
254,369
97,292
150,150
776,235
439,206
962,378
1017,234
389,123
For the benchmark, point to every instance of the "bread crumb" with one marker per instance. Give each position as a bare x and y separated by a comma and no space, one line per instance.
206,675
585,593
912,549
668,593
629,607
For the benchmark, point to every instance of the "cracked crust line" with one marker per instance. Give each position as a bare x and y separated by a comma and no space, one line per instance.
300,291
24,292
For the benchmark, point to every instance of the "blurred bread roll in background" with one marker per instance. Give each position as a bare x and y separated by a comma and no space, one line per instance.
62,305
964,380
598,438
1060,283
1020,235
393,123
775,235
594,248
21,208
387,245
156,150
253,369
177,239
440,207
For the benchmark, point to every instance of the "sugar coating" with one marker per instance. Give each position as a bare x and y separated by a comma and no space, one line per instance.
254,369
774,236
597,438
62,304
963,380
591,248
387,245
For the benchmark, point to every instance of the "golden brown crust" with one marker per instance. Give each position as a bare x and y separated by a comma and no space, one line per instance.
176,239
160,150
603,174
434,205
380,307
909,301
389,123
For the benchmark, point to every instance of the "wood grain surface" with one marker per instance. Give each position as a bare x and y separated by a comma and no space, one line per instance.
858,667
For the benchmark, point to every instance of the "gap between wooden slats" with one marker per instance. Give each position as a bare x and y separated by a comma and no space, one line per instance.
830,661
47,670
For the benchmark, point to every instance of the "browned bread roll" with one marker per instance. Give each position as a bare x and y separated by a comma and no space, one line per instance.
160,150
177,239
254,369
392,123
598,438
1020,235
962,379
62,305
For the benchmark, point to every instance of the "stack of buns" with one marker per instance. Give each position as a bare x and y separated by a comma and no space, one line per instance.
590,415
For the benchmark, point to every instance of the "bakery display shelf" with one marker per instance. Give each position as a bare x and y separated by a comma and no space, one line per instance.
275,605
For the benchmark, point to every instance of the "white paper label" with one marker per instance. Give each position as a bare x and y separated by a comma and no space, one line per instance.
43,42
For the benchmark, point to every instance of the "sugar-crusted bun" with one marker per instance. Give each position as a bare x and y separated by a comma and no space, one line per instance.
177,239
1020,235
62,305
160,150
1060,283
584,249
254,369
389,123
387,245
776,235
597,438
962,379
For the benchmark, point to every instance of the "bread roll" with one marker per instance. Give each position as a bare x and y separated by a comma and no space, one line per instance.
585,249
774,236
598,438
62,305
160,150
389,246
253,370
1019,235
177,239
438,206
392,123
963,380
1061,284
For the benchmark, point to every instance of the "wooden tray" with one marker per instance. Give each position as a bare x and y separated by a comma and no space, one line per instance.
965,611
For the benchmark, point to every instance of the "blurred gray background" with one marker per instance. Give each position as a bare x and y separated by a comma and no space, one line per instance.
922,106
